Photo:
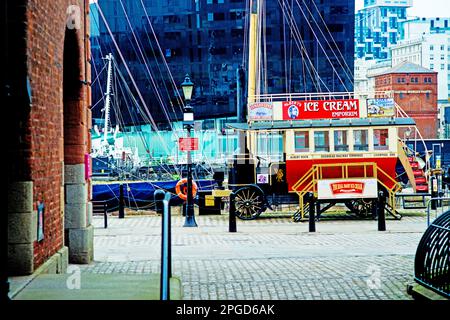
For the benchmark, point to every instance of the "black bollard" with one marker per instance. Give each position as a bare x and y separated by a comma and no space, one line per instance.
121,203
159,197
312,208
105,215
232,217
380,211
434,193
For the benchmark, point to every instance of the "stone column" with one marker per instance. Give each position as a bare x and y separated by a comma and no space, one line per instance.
22,228
79,233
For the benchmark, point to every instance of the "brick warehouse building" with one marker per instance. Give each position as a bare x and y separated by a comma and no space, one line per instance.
414,88
48,97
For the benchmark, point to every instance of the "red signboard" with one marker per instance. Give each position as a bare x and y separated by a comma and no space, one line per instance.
188,144
321,109
347,187
87,166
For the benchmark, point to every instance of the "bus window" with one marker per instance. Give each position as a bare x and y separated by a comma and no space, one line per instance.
361,142
340,140
380,139
321,141
302,141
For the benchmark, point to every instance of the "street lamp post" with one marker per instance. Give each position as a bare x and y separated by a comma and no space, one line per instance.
188,121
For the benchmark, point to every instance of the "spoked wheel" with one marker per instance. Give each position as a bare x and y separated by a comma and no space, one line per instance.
360,207
249,202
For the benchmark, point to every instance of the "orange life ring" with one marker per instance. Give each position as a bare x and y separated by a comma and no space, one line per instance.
183,193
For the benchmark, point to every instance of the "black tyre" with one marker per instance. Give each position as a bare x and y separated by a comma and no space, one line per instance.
249,202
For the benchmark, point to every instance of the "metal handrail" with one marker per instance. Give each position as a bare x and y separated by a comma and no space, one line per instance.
429,203
317,169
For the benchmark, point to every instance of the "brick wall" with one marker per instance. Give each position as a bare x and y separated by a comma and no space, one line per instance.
417,99
52,131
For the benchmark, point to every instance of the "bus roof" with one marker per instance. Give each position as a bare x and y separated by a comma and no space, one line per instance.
298,124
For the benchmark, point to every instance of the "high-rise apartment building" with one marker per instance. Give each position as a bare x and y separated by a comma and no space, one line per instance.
378,26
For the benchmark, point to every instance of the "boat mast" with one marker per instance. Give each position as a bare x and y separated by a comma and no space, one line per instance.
247,143
252,51
109,57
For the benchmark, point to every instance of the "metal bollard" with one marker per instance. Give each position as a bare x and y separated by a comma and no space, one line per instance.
434,192
105,215
232,217
166,252
121,203
159,197
380,211
312,216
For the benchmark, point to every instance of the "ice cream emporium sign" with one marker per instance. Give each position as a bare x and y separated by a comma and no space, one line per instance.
260,111
320,109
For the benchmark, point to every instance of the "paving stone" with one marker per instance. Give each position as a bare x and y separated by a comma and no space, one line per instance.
266,259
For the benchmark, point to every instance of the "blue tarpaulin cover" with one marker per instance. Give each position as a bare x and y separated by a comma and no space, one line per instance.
140,195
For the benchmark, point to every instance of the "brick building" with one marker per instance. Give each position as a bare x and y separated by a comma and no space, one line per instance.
414,88
48,97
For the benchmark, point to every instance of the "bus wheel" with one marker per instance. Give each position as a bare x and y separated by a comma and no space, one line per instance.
249,202
360,207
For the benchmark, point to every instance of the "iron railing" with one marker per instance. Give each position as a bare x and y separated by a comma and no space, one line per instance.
432,260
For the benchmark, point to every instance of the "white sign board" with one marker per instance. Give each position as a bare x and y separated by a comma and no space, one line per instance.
347,189
260,111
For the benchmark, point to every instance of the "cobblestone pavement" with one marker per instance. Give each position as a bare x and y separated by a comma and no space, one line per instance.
267,258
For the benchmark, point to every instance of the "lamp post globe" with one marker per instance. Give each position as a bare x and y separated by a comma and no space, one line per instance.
188,121
187,87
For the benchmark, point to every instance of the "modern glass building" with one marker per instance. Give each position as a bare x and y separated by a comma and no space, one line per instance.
308,47
207,39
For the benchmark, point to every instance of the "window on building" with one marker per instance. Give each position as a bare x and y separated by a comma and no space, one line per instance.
237,33
321,141
361,142
431,57
442,47
431,47
442,66
381,139
302,141
219,16
431,66
427,95
340,140
401,95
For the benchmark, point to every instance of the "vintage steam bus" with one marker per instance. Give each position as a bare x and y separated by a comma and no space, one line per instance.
337,148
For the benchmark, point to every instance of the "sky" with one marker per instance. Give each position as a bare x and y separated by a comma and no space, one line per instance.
422,8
